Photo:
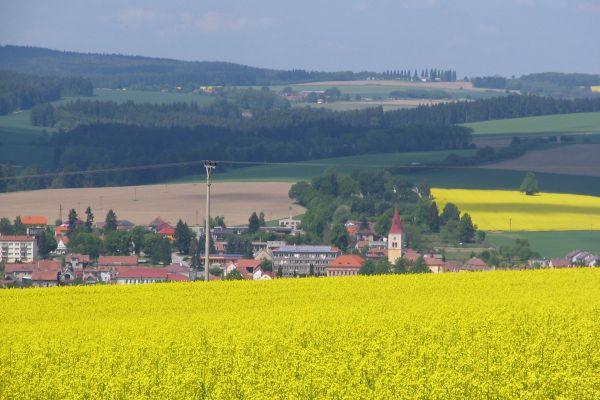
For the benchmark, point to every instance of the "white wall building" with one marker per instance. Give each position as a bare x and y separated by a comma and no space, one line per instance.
17,248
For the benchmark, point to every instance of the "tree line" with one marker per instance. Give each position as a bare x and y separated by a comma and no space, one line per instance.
20,91
502,107
426,74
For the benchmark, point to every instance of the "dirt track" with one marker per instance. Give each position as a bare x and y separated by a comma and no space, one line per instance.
577,159
140,204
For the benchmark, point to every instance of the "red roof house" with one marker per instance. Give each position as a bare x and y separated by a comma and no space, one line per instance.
114,261
344,266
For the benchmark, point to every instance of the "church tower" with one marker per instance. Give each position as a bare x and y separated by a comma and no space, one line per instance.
395,236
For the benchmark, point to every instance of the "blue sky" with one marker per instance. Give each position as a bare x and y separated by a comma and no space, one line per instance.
474,37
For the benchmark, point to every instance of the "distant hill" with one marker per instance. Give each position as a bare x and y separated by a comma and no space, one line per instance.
555,84
115,70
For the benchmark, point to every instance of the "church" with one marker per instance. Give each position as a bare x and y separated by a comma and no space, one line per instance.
395,237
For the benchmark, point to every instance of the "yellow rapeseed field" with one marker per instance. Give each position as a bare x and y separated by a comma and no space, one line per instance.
527,335
504,210
595,89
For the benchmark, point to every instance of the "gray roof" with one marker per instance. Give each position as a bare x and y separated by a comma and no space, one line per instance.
307,249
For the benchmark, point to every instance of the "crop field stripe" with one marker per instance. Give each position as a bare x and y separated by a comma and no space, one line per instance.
522,334
511,210
545,124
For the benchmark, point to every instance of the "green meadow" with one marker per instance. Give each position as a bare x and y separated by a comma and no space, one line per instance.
551,244
548,124
306,170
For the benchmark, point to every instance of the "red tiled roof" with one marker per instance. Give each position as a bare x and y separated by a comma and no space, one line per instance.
80,257
65,240
243,263
410,255
167,230
348,261
12,268
396,223
177,277
142,272
176,268
559,262
432,261
48,265
34,220
20,238
476,262
44,275
60,230
118,260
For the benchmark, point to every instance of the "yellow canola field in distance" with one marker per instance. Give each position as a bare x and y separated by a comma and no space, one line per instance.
595,89
507,210
518,334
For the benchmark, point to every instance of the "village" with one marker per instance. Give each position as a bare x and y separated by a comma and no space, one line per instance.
369,253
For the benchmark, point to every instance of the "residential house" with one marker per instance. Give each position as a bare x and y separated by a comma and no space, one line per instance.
246,268
77,261
167,232
62,245
94,275
157,224
560,263
61,231
35,224
347,265
435,264
475,264
19,272
45,273
44,277
264,254
140,275
289,223
17,248
297,260
582,258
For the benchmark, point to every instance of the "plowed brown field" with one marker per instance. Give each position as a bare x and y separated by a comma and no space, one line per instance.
140,204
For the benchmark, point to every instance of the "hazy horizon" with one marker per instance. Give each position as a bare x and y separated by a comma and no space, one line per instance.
511,37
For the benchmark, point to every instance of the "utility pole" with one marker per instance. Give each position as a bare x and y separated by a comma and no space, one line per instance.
210,167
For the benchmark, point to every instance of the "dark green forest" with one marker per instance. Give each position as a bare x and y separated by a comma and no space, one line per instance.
20,91
258,126
116,70
272,111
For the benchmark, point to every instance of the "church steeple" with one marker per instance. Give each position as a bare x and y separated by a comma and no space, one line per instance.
396,223
395,237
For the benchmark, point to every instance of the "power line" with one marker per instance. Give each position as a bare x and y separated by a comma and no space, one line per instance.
199,162
305,164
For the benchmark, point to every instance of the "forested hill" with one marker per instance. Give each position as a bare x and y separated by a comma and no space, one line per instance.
113,70
21,91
